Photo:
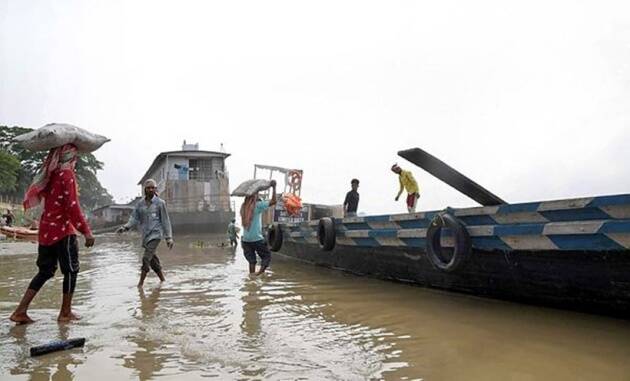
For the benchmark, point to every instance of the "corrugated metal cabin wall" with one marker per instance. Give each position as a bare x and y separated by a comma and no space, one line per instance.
219,193
169,175
223,180
185,195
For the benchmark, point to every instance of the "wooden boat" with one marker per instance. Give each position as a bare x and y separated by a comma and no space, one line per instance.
572,253
18,232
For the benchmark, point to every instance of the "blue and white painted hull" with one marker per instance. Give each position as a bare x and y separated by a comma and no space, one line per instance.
568,253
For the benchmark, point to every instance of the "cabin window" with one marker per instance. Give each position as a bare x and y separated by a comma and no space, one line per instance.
201,170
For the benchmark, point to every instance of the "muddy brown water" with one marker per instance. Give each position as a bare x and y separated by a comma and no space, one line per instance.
299,322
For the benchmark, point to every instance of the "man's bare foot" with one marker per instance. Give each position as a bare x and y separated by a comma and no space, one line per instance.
20,318
68,317
260,272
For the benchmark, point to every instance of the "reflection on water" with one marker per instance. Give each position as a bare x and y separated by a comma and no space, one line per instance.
146,359
44,370
211,319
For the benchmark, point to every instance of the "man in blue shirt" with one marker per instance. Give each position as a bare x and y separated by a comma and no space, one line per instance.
253,240
151,215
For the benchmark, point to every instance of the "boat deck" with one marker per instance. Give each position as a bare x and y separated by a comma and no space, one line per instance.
588,224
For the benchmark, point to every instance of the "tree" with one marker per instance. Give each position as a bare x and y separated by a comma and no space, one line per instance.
9,169
91,193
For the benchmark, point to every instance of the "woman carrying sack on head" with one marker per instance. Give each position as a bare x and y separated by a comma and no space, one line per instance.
61,217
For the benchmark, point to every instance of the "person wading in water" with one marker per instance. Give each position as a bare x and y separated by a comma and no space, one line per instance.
253,241
232,233
56,184
152,216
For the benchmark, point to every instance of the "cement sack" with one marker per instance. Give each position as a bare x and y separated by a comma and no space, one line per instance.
56,135
250,187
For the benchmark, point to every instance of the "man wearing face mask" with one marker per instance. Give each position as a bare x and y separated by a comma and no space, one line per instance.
155,225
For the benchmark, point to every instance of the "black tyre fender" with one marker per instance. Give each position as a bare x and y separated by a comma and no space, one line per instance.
274,237
462,245
326,234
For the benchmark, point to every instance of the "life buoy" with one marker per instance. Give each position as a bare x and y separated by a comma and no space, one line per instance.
295,179
274,237
326,234
462,245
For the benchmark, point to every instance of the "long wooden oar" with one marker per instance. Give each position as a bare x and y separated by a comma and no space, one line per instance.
446,173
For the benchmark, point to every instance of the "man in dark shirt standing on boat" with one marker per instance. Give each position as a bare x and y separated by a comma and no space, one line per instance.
351,203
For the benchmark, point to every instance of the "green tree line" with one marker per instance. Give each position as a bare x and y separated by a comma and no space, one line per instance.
18,166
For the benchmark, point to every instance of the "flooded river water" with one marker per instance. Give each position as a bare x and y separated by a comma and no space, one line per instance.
211,320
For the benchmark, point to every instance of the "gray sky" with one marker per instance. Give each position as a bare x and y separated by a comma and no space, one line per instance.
532,99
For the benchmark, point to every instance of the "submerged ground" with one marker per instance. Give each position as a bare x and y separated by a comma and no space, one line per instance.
210,319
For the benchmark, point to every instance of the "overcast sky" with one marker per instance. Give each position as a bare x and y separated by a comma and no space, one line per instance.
530,99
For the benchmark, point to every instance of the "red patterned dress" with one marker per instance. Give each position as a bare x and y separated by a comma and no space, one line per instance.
62,214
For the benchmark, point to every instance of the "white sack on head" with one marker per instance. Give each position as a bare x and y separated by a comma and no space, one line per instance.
57,134
249,187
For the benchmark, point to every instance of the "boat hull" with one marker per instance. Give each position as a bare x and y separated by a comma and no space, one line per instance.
572,254
577,280
19,233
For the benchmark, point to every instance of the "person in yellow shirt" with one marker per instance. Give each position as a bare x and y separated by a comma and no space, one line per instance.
407,182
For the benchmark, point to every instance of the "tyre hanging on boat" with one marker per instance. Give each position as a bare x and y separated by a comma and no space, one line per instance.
462,246
274,237
326,234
